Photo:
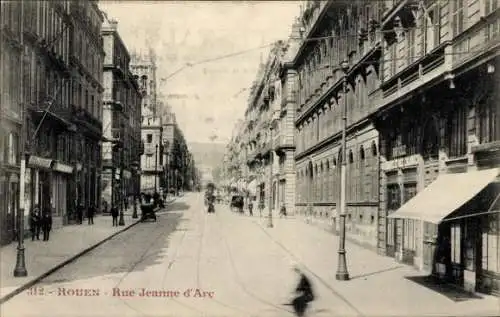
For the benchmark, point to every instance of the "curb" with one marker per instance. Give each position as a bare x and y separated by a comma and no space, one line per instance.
62,264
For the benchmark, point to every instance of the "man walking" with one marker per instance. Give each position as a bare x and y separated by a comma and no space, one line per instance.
114,214
250,207
46,223
35,223
90,214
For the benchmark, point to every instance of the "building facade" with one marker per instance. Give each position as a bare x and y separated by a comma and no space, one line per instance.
121,149
267,138
144,69
11,116
86,65
338,70
439,137
55,97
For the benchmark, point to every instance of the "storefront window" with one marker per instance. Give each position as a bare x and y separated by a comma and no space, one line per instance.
455,243
491,244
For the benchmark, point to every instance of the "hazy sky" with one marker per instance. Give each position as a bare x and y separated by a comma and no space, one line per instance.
207,98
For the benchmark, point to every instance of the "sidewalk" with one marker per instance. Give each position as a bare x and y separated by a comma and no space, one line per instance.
378,285
65,245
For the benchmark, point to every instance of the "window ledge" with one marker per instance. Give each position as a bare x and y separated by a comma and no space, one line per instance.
457,160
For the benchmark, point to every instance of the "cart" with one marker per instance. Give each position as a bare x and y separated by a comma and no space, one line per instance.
148,212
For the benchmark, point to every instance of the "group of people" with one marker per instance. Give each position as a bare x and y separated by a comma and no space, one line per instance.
90,213
40,221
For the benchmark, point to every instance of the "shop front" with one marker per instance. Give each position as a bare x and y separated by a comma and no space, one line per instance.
464,208
60,188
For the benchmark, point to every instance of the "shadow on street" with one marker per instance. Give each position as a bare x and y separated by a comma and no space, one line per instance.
134,250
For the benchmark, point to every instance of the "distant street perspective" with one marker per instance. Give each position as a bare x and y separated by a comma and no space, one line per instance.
250,158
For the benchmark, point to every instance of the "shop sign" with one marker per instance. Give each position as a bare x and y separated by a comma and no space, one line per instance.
63,168
36,161
402,162
127,174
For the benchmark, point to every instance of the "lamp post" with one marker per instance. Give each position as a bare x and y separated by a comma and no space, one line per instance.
342,273
270,198
121,221
135,166
156,163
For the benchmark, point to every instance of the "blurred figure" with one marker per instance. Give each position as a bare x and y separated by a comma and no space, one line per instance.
35,223
283,211
304,293
46,223
114,215
250,207
90,214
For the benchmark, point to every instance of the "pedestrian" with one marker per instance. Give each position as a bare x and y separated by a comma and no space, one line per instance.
35,223
114,214
90,214
283,211
46,223
125,202
304,293
105,207
79,210
250,207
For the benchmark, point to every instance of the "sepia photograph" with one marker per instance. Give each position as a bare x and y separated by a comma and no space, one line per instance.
309,158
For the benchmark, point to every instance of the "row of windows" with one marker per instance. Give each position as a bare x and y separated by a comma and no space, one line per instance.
328,121
10,92
324,182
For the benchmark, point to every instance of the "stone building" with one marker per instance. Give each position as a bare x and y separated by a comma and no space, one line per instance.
336,64
57,51
439,139
86,64
176,158
268,134
144,68
121,149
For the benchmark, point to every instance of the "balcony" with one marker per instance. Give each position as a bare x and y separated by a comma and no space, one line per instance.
283,142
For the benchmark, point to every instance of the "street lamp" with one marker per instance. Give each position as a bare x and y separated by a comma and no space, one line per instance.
342,273
156,163
135,168
121,221
271,163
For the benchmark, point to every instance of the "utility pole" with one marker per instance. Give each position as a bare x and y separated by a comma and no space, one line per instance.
270,198
20,269
342,273
121,221
156,164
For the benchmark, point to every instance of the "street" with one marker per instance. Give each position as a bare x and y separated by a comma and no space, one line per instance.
148,270
190,263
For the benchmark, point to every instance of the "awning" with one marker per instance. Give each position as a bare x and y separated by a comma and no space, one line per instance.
445,195
252,187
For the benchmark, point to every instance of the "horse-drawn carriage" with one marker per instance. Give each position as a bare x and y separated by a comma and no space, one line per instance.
148,207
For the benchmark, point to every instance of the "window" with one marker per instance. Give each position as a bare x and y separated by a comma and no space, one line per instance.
149,138
149,160
491,244
393,197
455,243
459,8
489,129
457,132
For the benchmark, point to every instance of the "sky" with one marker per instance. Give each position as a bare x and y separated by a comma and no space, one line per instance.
207,98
